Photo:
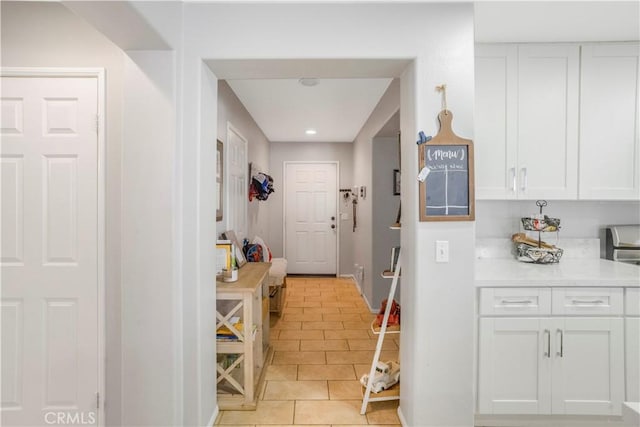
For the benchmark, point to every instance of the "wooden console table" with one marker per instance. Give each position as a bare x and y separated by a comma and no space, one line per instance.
242,330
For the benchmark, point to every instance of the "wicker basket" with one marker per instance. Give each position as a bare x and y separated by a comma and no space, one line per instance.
544,224
532,254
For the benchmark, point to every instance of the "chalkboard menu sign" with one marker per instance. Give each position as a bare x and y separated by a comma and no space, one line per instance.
446,165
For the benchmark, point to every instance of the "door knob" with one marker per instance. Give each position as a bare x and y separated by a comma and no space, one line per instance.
333,226
333,218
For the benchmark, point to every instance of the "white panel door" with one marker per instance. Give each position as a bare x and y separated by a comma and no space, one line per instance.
237,187
548,84
310,218
588,366
514,367
609,108
49,249
496,79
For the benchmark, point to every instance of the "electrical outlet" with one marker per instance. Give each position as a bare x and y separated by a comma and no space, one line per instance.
442,251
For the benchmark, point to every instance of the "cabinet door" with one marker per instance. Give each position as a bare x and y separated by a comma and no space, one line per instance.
548,121
514,366
495,121
632,359
609,157
588,366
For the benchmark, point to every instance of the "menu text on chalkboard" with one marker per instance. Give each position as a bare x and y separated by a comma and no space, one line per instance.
447,181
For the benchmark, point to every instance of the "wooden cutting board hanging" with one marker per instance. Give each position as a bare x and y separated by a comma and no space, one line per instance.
448,191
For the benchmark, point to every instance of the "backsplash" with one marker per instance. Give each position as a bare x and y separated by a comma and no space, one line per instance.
579,219
573,248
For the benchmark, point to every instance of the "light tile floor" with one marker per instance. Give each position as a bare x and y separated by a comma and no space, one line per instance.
322,345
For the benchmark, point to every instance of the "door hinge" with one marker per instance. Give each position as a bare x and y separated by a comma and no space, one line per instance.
98,400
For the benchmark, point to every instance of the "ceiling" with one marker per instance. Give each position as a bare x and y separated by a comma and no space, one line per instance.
336,108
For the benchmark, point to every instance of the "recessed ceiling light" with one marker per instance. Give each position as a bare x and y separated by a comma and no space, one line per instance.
310,131
308,81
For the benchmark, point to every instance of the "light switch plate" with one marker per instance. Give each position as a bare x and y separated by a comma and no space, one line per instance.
442,251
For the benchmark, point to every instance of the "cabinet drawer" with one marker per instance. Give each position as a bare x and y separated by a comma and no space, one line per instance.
587,301
515,301
632,302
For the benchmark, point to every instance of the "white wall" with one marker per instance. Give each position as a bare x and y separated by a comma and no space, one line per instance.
563,21
363,172
48,35
148,316
230,109
437,299
579,219
385,205
305,151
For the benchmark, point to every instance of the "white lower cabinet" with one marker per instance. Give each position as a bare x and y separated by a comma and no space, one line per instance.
588,366
515,373
547,364
632,344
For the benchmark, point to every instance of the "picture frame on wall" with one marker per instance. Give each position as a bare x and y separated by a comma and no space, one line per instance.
219,180
396,182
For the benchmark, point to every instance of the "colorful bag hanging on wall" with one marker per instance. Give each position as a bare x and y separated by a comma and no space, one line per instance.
261,186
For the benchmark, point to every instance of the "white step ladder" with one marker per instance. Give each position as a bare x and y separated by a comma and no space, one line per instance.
392,394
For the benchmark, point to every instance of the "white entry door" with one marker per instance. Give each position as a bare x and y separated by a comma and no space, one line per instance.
50,340
310,218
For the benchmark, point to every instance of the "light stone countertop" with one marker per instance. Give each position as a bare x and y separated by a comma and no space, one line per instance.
508,272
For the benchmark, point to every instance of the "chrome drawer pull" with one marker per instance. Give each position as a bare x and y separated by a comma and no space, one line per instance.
590,302
523,172
522,302
547,353
561,352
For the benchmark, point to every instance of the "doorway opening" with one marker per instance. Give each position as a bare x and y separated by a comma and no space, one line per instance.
324,339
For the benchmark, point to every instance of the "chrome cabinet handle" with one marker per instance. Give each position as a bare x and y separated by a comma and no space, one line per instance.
584,302
523,172
561,352
513,180
547,353
523,302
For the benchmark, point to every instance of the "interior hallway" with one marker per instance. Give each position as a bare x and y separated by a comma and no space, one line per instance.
322,345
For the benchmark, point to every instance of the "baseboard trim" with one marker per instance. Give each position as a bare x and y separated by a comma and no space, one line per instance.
403,422
212,420
547,420
353,279
371,309
355,282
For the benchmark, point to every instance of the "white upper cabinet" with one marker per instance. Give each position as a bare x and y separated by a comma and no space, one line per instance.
526,121
548,82
609,148
495,121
